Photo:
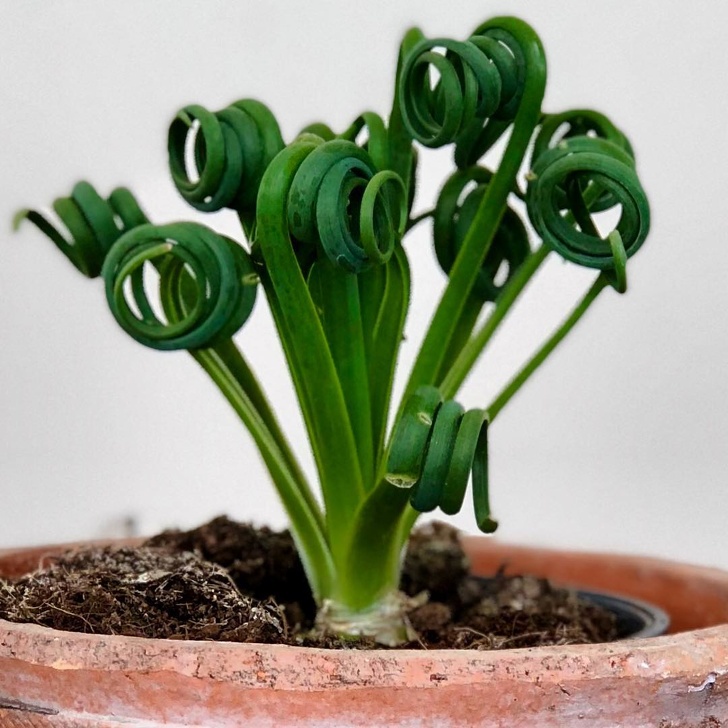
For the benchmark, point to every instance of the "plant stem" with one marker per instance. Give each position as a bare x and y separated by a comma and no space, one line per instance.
384,620
485,223
372,565
474,347
462,330
542,354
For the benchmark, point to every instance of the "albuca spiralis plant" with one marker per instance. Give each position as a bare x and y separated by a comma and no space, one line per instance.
324,219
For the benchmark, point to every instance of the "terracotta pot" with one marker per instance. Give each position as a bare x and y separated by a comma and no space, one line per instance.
52,678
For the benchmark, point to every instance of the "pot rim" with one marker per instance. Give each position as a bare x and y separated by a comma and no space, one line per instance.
86,678
641,654
288,667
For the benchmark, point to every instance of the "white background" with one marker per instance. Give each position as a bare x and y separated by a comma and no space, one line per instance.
619,442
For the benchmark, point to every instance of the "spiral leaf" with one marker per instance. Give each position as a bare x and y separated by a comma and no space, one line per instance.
479,87
411,435
339,202
207,285
571,178
618,276
452,219
93,224
435,448
232,149
503,44
381,147
556,128
468,88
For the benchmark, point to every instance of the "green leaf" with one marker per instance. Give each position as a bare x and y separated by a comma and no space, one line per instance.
309,359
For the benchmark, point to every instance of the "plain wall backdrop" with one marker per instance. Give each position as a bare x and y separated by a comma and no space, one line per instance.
618,443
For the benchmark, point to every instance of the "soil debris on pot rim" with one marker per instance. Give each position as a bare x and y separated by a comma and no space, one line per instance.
230,581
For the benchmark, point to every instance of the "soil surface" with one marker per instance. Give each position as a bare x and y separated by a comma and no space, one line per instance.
230,581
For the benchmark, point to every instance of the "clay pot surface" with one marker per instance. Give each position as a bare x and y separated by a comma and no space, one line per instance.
52,678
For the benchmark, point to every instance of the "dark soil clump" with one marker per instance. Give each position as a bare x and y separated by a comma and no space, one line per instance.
263,564
140,592
513,612
434,562
230,581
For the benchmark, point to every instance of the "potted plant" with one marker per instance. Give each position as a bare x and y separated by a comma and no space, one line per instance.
323,219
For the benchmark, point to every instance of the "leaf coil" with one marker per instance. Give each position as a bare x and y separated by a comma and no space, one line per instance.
436,447
207,285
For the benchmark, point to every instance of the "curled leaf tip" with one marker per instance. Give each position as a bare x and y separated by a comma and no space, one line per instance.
617,277
342,205
468,92
200,276
230,148
90,224
580,176
18,218
435,455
